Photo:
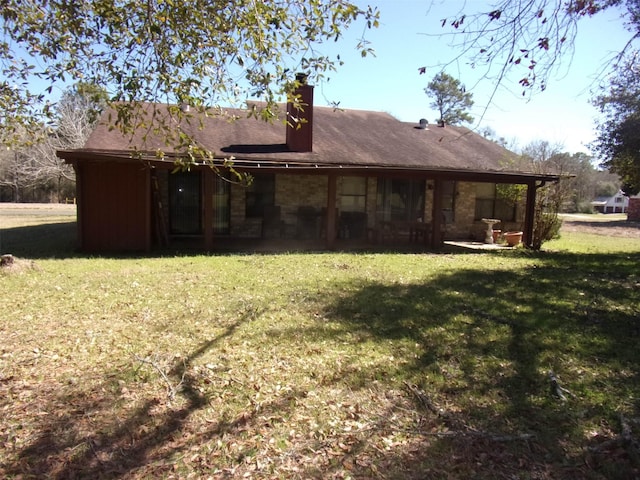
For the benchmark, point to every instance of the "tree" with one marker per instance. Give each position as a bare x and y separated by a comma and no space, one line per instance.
579,185
551,198
76,115
21,175
450,99
618,139
32,165
15,174
197,52
529,37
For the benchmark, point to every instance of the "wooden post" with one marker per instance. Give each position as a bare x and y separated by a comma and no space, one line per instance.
148,209
78,170
331,211
530,214
436,215
207,215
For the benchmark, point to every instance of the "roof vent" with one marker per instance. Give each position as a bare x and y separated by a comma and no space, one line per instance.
423,123
185,107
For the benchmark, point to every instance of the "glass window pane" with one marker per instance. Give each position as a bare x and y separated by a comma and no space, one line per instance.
484,208
505,210
260,193
400,199
485,190
448,200
353,194
221,210
185,203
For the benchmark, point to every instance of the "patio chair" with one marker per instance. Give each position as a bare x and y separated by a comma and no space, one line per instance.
272,224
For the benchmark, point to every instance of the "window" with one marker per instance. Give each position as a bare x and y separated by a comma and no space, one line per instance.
400,200
260,193
489,205
221,206
185,213
353,197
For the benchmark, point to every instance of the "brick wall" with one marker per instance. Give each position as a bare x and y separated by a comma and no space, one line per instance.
633,212
237,211
293,191
463,226
372,189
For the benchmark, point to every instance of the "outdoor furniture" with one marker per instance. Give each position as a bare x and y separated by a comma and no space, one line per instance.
414,232
272,224
387,230
308,222
352,225
419,231
324,222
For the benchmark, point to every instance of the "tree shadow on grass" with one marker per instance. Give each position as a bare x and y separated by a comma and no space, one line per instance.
49,240
106,431
485,342
476,402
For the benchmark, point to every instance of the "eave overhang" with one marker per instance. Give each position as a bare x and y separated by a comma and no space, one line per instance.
257,163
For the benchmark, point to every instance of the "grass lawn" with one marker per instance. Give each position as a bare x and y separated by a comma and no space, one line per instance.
327,365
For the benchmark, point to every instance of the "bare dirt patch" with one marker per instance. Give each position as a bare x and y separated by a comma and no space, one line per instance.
614,227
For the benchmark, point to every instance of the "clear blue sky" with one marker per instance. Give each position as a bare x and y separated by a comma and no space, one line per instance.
390,81
408,38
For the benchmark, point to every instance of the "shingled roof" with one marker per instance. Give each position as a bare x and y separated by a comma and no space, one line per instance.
341,138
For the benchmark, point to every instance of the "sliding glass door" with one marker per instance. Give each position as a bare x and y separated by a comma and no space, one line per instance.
400,200
185,205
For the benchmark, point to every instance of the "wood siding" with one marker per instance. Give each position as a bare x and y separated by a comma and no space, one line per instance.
114,207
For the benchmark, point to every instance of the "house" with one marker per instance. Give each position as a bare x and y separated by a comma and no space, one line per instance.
618,203
341,176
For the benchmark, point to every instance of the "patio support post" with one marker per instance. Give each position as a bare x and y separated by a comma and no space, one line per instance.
436,214
207,215
147,208
331,211
77,169
530,214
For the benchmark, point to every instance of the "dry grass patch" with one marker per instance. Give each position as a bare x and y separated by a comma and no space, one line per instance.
11,265
328,365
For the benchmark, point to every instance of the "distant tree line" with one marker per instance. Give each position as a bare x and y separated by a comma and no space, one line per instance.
582,181
30,171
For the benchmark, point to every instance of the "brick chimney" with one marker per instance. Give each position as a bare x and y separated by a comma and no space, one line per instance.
300,122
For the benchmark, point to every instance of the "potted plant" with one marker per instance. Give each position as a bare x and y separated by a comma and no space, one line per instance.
513,238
